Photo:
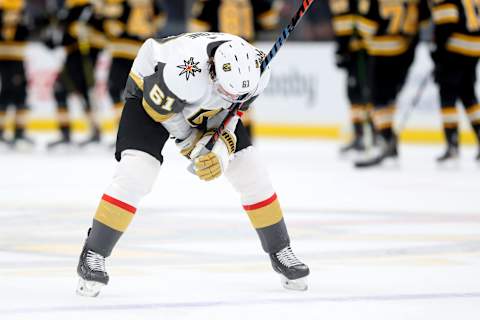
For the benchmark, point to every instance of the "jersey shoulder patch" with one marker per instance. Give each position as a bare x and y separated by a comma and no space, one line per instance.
158,100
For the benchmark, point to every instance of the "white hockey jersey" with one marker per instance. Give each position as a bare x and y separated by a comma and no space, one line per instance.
171,78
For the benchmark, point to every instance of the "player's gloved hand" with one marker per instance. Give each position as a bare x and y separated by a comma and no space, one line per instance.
186,145
209,165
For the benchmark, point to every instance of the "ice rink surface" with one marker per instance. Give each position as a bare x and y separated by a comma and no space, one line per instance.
383,243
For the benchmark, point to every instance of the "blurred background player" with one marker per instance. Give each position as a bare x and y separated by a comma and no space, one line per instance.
13,81
82,40
351,55
244,18
457,39
127,24
391,31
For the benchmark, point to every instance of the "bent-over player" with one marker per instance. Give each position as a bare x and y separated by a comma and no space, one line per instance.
181,87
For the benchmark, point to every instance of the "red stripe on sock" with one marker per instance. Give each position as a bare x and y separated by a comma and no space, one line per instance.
119,203
260,204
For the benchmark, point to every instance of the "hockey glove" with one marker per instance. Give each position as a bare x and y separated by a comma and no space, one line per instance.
186,145
212,164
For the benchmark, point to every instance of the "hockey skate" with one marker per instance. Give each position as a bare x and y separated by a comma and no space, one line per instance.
388,151
5,144
92,273
93,139
451,154
293,273
23,143
356,145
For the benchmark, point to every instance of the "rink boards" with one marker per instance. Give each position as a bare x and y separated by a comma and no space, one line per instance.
305,98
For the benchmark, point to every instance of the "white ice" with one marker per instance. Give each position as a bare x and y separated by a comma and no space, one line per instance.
383,243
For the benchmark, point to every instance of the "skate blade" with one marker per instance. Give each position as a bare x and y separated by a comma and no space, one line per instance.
299,284
89,288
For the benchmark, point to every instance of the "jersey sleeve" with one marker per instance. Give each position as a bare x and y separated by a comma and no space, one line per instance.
367,18
445,16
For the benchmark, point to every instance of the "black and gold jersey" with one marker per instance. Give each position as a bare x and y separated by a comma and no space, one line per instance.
13,29
82,22
457,26
390,26
344,15
243,18
129,22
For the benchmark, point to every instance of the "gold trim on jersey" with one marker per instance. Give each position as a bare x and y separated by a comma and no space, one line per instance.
73,3
124,48
12,50
158,117
137,79
343,25
196,25
473,113
198,117
268,19
387,45
463,44
366,27
96,39
357,44
12,4
445,13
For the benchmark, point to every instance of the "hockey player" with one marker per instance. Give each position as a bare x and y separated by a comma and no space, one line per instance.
13,81
391,31
127,24
82,41
457,39
180,87
243,18
351,56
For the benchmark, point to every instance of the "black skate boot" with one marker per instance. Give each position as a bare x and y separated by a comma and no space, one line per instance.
356,145
91,269
292,271
450,154
94,138
388,151
5,144
477,158
63,141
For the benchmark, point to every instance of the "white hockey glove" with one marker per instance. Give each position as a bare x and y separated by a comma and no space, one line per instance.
186,145
212,164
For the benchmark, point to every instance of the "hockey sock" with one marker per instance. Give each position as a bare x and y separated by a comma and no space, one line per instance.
133,179
112,218
359,115
450,125
267,219
250,179
20,123
64,122
383,120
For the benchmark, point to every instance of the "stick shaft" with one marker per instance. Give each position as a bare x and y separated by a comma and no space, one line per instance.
268,58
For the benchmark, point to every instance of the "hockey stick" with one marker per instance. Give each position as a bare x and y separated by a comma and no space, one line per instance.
268,58
415,101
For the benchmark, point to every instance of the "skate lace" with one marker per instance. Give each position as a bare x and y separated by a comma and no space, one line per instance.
95,261
287,257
